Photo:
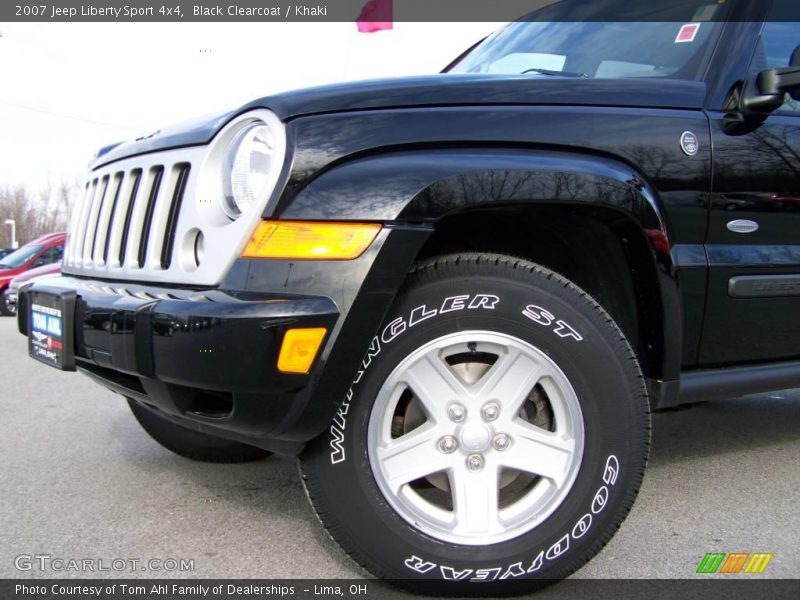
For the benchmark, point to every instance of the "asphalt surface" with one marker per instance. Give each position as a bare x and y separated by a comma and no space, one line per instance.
80,479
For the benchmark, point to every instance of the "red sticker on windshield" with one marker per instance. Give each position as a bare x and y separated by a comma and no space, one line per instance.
687,33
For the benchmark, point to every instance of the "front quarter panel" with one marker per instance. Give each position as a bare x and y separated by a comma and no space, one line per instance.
414,166
644,143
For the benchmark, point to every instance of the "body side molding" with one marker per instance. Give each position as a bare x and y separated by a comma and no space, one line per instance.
725,383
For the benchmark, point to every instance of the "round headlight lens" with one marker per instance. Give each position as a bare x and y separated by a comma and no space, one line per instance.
247,169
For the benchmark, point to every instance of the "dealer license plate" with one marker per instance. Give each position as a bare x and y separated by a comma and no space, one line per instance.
50,335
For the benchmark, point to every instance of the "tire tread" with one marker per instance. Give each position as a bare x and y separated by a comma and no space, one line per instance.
486,264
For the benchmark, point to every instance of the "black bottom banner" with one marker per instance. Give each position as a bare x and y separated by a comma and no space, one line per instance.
252,589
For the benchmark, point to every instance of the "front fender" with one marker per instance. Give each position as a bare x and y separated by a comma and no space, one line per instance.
426,185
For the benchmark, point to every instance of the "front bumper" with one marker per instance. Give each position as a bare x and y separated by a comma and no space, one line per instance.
198,356
207,359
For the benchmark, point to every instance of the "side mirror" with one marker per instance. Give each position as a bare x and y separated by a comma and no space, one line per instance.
770,86
750,104
777,82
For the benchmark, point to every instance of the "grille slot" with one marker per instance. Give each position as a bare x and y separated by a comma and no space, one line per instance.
74,225
157,173
94,219
120,220
107,219
172,217
83,222
136,178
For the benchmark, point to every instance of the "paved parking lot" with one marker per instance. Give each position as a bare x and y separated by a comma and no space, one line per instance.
80,479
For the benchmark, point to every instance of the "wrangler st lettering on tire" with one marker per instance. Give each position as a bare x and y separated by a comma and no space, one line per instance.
496,423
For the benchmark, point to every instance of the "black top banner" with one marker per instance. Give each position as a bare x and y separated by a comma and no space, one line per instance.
387,11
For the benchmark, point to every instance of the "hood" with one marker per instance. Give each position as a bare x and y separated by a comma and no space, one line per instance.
186,133
446,89
7,275
30,274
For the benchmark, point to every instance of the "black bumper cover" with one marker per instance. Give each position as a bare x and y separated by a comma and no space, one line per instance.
206,359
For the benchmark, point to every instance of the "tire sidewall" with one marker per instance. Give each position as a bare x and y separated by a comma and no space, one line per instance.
191,444
574,332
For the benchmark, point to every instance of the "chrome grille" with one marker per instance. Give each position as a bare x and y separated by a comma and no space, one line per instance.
126,224
128,219
158,217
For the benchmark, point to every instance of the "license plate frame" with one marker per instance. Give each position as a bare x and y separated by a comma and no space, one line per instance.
51,327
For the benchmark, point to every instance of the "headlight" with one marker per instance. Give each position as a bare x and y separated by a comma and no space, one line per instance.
235,185
248,169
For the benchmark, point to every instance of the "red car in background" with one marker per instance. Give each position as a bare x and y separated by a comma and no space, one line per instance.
45,250
9,297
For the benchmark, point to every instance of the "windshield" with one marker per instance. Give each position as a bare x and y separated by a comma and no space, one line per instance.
638,47
19,257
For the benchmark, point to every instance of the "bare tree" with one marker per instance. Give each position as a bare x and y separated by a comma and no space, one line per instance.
35,212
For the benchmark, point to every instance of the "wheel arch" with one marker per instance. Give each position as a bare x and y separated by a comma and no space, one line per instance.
433,189
600,250
442,187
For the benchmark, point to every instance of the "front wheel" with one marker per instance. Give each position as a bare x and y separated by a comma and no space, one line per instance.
7,307
497,431
191,444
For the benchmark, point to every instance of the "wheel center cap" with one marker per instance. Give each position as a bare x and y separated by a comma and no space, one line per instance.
475,437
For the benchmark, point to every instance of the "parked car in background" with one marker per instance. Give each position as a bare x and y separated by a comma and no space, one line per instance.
44,250
5,252
9,298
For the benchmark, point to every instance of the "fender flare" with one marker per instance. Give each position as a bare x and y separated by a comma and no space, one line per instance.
423,186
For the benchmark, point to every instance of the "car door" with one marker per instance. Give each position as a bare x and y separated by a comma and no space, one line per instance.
753,241
49,256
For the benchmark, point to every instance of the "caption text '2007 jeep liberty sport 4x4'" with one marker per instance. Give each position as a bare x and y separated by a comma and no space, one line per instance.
457,297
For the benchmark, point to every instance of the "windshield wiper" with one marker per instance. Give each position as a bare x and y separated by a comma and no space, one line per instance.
555,73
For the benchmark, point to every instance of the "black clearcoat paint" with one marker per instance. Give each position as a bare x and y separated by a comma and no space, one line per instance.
430,91
413,152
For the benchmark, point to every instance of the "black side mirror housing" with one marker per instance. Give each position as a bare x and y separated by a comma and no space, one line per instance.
750,103
780,81
765,94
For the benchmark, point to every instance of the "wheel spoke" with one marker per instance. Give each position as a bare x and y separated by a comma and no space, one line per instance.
412,456
474,436
540,452
433,384
510,380
475,500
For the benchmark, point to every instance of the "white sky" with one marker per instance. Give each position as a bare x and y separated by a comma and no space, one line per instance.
137,77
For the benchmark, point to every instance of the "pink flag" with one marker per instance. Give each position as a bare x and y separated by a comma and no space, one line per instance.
375,16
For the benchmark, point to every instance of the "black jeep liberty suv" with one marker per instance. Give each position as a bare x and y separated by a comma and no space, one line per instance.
457,298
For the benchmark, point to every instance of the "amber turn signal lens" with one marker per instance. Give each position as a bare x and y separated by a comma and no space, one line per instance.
310,240
299,349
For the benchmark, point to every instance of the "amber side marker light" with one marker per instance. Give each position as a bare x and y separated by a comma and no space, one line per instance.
299,349
310,240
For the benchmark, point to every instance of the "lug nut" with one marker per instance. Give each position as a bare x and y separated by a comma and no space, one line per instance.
457,413
448,444
501,441
474,462
490,411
